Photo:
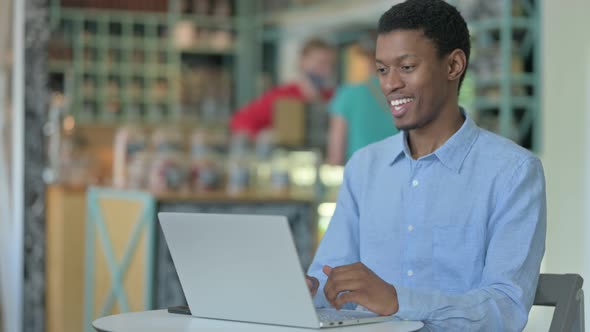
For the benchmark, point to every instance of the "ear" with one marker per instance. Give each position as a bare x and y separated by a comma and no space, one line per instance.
457,64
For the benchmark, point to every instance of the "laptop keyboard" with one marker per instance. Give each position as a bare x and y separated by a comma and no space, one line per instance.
331,315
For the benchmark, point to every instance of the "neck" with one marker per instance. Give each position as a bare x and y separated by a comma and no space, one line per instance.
426,140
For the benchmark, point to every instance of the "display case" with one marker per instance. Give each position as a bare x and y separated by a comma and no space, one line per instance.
166,61
505,67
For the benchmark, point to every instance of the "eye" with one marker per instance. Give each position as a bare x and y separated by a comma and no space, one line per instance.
381,70
407,68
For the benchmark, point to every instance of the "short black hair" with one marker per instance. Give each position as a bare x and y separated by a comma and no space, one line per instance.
439,21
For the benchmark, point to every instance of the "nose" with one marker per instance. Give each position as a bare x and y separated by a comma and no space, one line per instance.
391,82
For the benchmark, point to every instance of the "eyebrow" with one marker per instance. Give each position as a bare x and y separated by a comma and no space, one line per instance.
399,58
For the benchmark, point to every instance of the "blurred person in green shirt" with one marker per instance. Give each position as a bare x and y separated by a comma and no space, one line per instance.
359,114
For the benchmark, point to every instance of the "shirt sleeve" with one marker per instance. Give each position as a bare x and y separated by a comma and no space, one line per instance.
340,244
516,245
341,102
254,116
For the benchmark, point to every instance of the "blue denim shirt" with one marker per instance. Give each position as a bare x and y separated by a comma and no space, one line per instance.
460,232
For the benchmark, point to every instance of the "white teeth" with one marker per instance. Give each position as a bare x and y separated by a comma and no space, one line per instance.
402,101
397,108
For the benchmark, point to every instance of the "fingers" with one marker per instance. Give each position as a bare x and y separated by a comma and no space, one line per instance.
344,268
345,279
339,275
334,288
355,297
312,284
356,283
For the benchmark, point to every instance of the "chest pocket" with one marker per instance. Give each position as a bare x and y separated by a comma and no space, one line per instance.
458,256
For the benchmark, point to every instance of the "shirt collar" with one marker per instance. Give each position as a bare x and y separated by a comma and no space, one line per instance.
452,153
398,141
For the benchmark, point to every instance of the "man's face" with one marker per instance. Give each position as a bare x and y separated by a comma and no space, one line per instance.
319,62
413,77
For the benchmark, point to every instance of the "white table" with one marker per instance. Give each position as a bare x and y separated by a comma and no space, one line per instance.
161,320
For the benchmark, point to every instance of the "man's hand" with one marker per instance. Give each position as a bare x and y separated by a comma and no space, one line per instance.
313,285
358,284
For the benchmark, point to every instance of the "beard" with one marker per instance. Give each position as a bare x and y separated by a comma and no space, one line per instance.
407,126
417,120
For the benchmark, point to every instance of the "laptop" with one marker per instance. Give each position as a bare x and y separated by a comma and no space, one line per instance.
245,268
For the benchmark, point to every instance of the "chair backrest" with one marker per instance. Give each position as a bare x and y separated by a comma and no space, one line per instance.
564,292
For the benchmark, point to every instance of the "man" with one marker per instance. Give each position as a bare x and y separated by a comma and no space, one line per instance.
444,222
316,64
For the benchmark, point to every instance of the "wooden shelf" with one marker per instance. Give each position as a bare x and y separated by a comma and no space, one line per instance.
222,196
218,196
198,50
328,13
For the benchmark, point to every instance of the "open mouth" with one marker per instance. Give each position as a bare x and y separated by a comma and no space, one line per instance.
400,106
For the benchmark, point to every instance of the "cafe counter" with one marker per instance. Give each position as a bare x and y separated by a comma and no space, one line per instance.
106,253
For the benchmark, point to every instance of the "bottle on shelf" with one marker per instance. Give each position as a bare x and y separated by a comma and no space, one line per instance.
129,142
205,173
168,170
265,144
238,165
279,173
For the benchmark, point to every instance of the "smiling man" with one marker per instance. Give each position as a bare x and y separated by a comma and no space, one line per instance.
444,222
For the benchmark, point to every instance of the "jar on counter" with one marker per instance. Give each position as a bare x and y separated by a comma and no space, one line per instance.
238,176
138,171
169,166
168,172
279,173
205,170
238,165
265,145
205,175
128,143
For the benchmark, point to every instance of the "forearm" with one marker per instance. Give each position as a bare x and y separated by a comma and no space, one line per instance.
484,309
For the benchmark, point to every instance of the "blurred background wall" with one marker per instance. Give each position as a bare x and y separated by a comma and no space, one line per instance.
565,148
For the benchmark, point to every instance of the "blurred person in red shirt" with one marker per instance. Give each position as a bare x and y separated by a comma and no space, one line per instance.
316,64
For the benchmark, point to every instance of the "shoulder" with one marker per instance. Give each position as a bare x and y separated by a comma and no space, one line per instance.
368,161
497,147
503,159
380,153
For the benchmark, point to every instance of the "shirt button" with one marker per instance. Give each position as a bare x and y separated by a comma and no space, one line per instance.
410,228
410,273
415,183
